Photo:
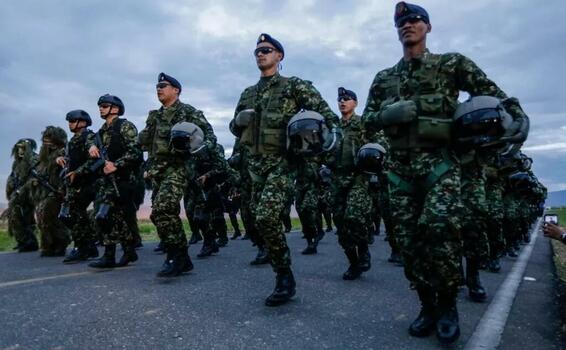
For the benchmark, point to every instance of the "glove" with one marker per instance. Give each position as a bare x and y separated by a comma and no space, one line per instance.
245,117
399,112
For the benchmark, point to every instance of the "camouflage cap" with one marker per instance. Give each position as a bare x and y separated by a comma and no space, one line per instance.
404,11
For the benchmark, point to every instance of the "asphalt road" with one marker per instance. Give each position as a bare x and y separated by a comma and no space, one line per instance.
219,305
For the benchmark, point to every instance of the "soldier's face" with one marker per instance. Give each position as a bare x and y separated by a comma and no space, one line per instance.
347,106
166,92
76,125
264,59
413,32
21,151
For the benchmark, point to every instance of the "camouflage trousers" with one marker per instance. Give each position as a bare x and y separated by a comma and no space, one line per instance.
385,211
511,220
189,203
426,217
21,223
352,207
121,223
246,213
269,198
307,207
82,229
168,189
494,198
54,235
475,213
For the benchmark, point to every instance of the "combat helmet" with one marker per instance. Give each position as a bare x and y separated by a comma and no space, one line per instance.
480,121
187,138
370,157
307,134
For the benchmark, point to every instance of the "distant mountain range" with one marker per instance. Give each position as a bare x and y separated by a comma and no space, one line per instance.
556,199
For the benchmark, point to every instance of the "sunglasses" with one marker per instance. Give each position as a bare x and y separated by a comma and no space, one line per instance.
263,50
162,85
104,105
411,20
344,98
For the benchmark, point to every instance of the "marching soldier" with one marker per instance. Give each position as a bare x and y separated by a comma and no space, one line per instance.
260,119
167,171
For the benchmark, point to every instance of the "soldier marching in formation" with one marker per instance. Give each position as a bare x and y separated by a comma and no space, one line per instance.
447,177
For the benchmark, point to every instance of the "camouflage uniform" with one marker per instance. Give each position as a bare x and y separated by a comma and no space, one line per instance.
494,196
209,211
119,141
54,235
167,169
275,99
81,192
424,172
352,203
306,200
21,221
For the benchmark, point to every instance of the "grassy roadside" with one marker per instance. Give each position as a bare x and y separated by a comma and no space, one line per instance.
147,231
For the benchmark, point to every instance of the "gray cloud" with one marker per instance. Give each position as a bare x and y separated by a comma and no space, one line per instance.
60,55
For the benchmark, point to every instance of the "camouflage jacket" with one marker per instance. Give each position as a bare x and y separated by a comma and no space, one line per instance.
20,174
434,83
154,138
275,104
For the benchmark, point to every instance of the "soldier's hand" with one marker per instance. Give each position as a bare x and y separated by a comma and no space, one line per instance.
109,167
399,112
71,176
60,161
93,152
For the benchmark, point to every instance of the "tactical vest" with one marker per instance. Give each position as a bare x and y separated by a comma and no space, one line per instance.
266,133
433,126
76,151
349,146
116,147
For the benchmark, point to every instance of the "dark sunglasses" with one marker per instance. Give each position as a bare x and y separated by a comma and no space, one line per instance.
411,20
104,105
263,50
162,85
344,98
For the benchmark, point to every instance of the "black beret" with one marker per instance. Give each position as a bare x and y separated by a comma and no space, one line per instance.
405,11
345,92
266,38
174,82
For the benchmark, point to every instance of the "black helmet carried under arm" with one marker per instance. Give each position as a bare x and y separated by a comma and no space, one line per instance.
370,158
481,121
114,101
187,138
79,114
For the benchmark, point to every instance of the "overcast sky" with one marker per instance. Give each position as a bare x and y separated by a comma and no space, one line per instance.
56,56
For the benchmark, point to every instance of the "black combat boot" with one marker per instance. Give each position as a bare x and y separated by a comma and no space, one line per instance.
129,255
74,256
262,256
175,263
395,258
494,265
31,246
425,323
108,260
208,247
91,251
187,264
195,238
160,248
447,326
476,291
354,270
364,257
222,241
320,236
236,234
311,247
284,288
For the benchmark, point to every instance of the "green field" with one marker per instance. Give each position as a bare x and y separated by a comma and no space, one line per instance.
147,231
558,247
